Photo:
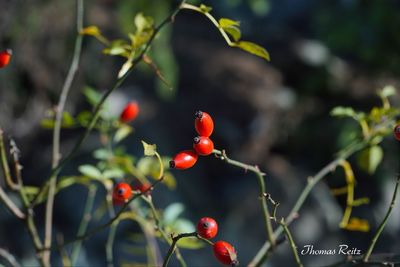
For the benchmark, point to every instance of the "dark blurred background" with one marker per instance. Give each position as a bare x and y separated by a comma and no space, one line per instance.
273,114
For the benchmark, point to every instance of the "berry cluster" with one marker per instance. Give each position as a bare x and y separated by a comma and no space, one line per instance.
123,192
202,144
224,252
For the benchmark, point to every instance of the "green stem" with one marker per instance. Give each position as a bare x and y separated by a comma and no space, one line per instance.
110,244
260,177
383,224
291,241
84,222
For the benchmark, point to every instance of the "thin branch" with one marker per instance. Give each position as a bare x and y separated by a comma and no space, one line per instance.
9,258
57,129
311,182
157,220
4,164
383,223
100,104
260,176
291,241
85,222
175,240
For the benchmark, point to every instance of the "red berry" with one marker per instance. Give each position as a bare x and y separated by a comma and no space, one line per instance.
203,145
143,187
184,160
5,57
396,132
203,123
122,193
130,112
207,227
225,253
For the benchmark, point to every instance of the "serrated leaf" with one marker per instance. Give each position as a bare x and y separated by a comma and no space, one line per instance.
123,131
91,30
190,243
234,32
205,9
254,49
370,158
125,68
224,22
90,171
149,150
172,212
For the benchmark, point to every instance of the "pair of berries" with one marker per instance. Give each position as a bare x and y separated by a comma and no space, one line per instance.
223,251
202,144
5,57
130,112
123,192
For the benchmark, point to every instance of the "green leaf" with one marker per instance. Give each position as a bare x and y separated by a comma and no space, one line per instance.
143,23
149,150
183,226
113,173
67,120
169,180
91,30
123,131
47,123
190,243
102,154
224,22
118,48
84,118
125,68
387,91
343,112
234,32
254,49
172,212
205,9
90,171
370,158
92,96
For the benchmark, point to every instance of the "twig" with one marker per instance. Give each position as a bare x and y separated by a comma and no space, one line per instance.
383,223
157,220
110,243
4,164
57,129
260,176
291,241
9,257
175,241
84,222
312,181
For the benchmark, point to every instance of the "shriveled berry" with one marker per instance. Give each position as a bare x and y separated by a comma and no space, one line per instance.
130,112
203,123
396,132
207,227
122,192
5,57
203,145
225,253
184,160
